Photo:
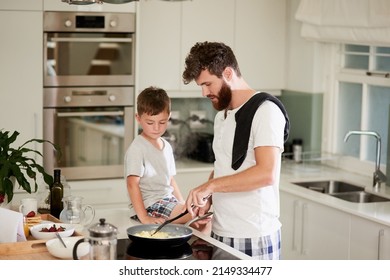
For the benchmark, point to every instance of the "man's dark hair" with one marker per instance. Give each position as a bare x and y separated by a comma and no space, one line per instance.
211,56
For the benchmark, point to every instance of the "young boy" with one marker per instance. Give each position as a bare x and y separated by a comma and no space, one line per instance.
150,165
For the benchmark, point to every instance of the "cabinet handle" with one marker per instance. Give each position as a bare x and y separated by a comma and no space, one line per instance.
89,114
91,40
304,218
380,243
295,226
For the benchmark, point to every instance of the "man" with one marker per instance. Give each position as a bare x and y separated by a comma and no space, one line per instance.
244,185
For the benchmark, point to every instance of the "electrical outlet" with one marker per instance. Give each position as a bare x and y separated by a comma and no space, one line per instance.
176,116
195,117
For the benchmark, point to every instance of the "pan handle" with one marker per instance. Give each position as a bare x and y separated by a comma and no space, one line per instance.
198,218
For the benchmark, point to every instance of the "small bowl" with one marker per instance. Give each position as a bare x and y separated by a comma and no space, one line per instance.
55,247
38,234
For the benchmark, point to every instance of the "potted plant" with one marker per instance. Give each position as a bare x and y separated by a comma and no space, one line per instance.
18,165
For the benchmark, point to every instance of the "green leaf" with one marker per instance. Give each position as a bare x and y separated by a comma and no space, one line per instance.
21,164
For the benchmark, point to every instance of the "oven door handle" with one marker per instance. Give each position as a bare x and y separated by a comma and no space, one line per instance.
89,114
91,40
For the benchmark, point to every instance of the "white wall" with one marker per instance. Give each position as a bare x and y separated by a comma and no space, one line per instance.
305,59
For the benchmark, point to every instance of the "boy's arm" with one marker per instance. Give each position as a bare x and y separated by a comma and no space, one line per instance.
138,203
176,190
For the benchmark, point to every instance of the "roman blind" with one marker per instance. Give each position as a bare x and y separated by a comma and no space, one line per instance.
345,21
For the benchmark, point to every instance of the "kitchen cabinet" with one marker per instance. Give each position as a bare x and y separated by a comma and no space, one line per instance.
158,37
22,5
167,31
21,73
311,230
58,5
260,42
369,240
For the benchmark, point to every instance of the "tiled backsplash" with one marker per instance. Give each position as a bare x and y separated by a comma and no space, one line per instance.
305,112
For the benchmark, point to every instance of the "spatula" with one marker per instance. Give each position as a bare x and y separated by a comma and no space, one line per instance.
174,218
169,221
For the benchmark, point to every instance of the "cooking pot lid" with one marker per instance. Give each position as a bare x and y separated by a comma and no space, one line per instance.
102,229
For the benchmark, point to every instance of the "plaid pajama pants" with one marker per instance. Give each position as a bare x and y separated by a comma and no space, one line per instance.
262,248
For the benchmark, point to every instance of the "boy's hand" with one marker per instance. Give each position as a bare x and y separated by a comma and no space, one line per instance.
152,220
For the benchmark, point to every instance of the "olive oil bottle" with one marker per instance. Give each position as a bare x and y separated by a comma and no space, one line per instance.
56,195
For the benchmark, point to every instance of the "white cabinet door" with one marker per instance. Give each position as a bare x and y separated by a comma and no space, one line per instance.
369,240
26,5
21,73
260,42
167,30
312,231
159,43
205,20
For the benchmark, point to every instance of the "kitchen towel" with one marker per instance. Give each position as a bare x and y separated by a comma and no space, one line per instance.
11,226
243,127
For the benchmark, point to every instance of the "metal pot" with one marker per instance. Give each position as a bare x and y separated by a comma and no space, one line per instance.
180,233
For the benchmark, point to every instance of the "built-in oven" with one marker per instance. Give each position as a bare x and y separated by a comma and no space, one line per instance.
92,126
88,93
89,49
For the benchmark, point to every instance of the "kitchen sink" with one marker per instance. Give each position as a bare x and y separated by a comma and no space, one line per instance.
342,190
360,197
330,186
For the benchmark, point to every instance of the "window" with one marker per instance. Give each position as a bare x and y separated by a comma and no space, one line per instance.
362,100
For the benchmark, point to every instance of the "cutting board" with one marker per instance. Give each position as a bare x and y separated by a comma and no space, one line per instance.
31,246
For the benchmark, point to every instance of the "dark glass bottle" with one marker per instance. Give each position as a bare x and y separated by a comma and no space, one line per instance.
56,195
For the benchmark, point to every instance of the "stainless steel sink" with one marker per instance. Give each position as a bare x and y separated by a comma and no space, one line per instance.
330,186
360,197
342,190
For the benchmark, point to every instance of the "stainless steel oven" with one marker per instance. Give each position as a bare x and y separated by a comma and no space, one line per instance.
92,126
88,103
89,49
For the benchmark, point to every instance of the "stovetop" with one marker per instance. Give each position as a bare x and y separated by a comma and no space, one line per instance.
195,249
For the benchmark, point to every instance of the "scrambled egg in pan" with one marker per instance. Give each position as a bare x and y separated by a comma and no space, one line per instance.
148,233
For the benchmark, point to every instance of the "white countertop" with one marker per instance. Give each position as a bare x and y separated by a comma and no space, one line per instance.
293,172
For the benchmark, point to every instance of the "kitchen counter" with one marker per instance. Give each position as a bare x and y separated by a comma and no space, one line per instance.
293,172
120,218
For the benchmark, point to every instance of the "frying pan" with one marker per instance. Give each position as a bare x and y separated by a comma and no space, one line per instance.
179,234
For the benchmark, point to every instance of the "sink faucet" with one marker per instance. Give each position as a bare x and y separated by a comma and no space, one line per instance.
379,177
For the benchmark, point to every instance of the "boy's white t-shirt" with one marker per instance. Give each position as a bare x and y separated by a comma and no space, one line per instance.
154,167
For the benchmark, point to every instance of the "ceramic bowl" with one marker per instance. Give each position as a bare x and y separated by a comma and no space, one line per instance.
37,233
55,247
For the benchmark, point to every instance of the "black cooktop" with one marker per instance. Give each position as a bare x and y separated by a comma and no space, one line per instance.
194,249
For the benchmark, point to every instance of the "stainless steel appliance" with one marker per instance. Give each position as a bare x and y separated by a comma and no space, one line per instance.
88,95
89,49
92,126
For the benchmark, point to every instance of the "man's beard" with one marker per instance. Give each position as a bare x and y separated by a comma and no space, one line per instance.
224,97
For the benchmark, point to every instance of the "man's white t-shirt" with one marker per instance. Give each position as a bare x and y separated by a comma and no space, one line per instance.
254,213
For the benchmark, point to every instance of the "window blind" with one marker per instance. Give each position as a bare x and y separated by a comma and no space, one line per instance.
345,21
